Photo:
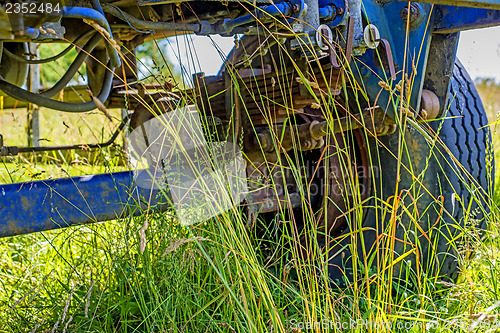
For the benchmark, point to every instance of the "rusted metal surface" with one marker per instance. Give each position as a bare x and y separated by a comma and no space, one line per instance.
271,187
386,47
430,106
268,93
330,219
350,39
259,106
310,135
439,69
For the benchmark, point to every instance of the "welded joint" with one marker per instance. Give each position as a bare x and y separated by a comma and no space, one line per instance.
356,14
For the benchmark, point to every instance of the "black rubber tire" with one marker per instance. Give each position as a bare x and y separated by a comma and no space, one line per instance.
463,132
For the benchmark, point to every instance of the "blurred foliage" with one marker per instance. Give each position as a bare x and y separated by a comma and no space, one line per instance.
154,65
52,71
489,91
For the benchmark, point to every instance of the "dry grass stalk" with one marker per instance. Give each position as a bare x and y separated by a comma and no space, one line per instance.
174,245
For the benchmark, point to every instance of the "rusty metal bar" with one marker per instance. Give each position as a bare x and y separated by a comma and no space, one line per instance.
309,135
13,150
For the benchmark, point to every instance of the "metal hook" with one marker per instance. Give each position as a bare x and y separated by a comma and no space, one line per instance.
324,39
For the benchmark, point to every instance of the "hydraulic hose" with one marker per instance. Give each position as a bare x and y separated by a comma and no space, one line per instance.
97,6
29,97
94,15
148,25
73,68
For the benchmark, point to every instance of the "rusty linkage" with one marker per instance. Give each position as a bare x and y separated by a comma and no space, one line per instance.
309,136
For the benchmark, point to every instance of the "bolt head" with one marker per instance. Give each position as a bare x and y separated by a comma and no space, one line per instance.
414,13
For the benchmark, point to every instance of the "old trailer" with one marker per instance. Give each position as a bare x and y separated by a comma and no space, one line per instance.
367,95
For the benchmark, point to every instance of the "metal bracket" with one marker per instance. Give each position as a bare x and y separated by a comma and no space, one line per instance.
324,40
388,55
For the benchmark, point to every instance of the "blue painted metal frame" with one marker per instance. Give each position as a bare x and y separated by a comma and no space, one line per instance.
410,48
58,203
456,19
367,69
487,4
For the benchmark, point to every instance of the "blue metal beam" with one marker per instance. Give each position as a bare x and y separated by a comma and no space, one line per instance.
58,203
410,48
454,19
488,4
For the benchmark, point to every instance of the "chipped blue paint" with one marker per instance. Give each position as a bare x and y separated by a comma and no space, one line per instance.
58,203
